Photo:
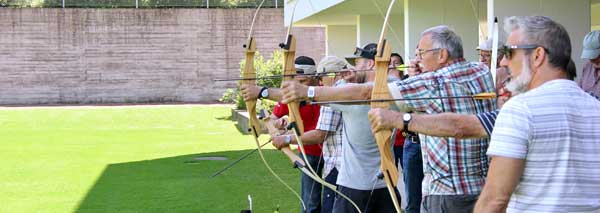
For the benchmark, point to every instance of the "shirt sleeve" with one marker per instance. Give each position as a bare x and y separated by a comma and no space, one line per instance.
280,110
329,119
488,119
419,86
510,137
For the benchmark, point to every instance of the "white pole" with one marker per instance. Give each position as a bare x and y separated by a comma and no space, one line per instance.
406,33
275,3
136,4
490,19
207,3
63,3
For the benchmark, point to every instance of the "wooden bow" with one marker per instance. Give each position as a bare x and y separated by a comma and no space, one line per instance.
250,73
381,91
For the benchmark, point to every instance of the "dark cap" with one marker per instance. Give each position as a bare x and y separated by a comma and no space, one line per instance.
368,51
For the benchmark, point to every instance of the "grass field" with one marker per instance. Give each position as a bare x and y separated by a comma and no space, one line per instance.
134,159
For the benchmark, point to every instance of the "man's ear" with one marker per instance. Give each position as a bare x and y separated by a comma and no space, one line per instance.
538,56
443,56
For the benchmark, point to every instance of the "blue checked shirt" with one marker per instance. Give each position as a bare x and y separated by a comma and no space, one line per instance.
331,121
456,166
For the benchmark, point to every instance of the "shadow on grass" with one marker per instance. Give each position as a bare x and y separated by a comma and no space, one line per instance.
182,184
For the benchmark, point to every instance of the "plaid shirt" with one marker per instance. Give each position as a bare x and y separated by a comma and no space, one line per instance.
331,121
456,166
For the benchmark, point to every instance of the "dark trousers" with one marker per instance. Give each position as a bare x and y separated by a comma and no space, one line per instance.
450,203
398,150
378,201
311,190
328,194
412,170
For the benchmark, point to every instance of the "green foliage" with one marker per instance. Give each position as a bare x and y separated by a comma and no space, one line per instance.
264,67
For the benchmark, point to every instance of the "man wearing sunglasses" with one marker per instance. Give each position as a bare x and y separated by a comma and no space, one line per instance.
456,169
545,143
590,75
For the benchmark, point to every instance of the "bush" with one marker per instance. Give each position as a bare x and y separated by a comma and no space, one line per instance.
270,67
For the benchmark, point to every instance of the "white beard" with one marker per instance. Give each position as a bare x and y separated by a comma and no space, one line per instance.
520,83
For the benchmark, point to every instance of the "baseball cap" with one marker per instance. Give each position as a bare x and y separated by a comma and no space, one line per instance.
305,65
591,45
368,51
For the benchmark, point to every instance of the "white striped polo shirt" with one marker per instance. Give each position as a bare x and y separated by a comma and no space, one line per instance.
555,128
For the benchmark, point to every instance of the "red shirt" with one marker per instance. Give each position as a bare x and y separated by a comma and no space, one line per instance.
399,139
310,117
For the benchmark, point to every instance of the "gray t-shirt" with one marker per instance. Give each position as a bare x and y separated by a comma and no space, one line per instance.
361,161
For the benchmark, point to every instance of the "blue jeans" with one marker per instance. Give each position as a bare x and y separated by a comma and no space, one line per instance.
413,174
311,190
328,194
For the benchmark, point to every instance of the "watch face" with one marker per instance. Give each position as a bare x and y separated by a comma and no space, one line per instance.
406,117
264,93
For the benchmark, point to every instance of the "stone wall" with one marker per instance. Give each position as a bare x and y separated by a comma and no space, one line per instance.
91,56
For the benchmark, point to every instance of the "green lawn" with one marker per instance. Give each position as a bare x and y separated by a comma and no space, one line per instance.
134,159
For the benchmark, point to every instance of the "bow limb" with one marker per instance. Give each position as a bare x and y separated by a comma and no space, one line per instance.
301,165
289,54
381,91
249,72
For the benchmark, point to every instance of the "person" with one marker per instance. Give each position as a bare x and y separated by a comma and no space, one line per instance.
445,124
306,68
456,168
328,131
590,75
485,56
395,61
546,139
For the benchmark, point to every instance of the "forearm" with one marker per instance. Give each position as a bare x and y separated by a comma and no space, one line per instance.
275,94
503,177
447,125
341,93
311,137
492,204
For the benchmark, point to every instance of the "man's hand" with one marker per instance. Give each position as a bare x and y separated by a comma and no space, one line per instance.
383,119
414,68
280,123
250,92
279,141
503,98
293,91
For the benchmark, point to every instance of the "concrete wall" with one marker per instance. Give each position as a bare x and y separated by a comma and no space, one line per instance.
64,56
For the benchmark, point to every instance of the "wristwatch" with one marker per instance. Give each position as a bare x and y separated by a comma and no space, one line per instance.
311,93
288,139
406,118
264,93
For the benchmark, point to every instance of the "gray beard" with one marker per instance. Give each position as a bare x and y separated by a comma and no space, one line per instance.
520,83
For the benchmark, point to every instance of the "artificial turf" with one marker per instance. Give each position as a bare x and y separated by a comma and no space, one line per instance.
134,159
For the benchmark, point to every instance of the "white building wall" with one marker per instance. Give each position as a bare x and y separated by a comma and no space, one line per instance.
341,40
573,15
458,14
369,29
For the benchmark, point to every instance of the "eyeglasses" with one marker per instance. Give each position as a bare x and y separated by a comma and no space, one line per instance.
420,52
508,50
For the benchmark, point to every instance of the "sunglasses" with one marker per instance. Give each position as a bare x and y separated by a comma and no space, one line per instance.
508,50
364,53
